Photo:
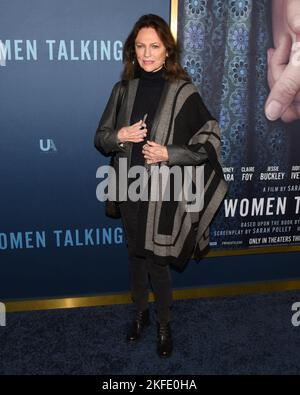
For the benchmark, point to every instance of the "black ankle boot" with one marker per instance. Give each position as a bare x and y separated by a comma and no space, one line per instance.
164,340
140,322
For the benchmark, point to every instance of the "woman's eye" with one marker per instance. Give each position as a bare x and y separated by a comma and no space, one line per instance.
139,46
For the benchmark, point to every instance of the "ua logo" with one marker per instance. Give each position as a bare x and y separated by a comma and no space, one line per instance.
47,145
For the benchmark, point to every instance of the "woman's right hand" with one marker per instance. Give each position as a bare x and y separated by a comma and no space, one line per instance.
132,133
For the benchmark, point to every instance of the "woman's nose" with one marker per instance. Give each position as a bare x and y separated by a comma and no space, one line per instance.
147,52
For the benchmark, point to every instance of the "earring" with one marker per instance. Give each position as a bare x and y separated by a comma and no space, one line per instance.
165,61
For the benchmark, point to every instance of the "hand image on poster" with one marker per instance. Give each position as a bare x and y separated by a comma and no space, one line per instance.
284,62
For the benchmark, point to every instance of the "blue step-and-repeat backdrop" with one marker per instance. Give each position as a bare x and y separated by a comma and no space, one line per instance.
59,61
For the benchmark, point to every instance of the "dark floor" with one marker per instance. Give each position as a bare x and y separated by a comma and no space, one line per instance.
250,334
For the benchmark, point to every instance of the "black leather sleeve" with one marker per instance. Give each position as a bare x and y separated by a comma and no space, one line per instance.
105,139
190,119
186,155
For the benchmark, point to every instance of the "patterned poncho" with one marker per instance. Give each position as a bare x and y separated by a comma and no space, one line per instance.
168,231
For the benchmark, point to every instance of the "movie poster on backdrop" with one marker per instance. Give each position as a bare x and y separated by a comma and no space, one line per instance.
242,55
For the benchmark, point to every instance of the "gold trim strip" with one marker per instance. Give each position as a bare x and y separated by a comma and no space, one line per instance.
249,251
178,294
174,17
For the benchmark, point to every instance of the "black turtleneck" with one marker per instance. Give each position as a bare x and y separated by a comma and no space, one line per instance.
146,102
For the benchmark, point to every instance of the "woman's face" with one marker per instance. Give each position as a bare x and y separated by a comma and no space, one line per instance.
150,50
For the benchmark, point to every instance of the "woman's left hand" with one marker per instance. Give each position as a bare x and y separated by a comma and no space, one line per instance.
154,153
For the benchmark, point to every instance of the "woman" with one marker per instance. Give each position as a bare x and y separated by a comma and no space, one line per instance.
156,117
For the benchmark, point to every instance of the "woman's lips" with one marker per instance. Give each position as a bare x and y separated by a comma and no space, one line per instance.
148,61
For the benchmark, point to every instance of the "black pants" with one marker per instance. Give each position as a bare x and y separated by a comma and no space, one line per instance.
141,269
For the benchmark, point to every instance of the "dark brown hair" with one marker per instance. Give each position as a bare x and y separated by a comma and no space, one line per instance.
172,69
